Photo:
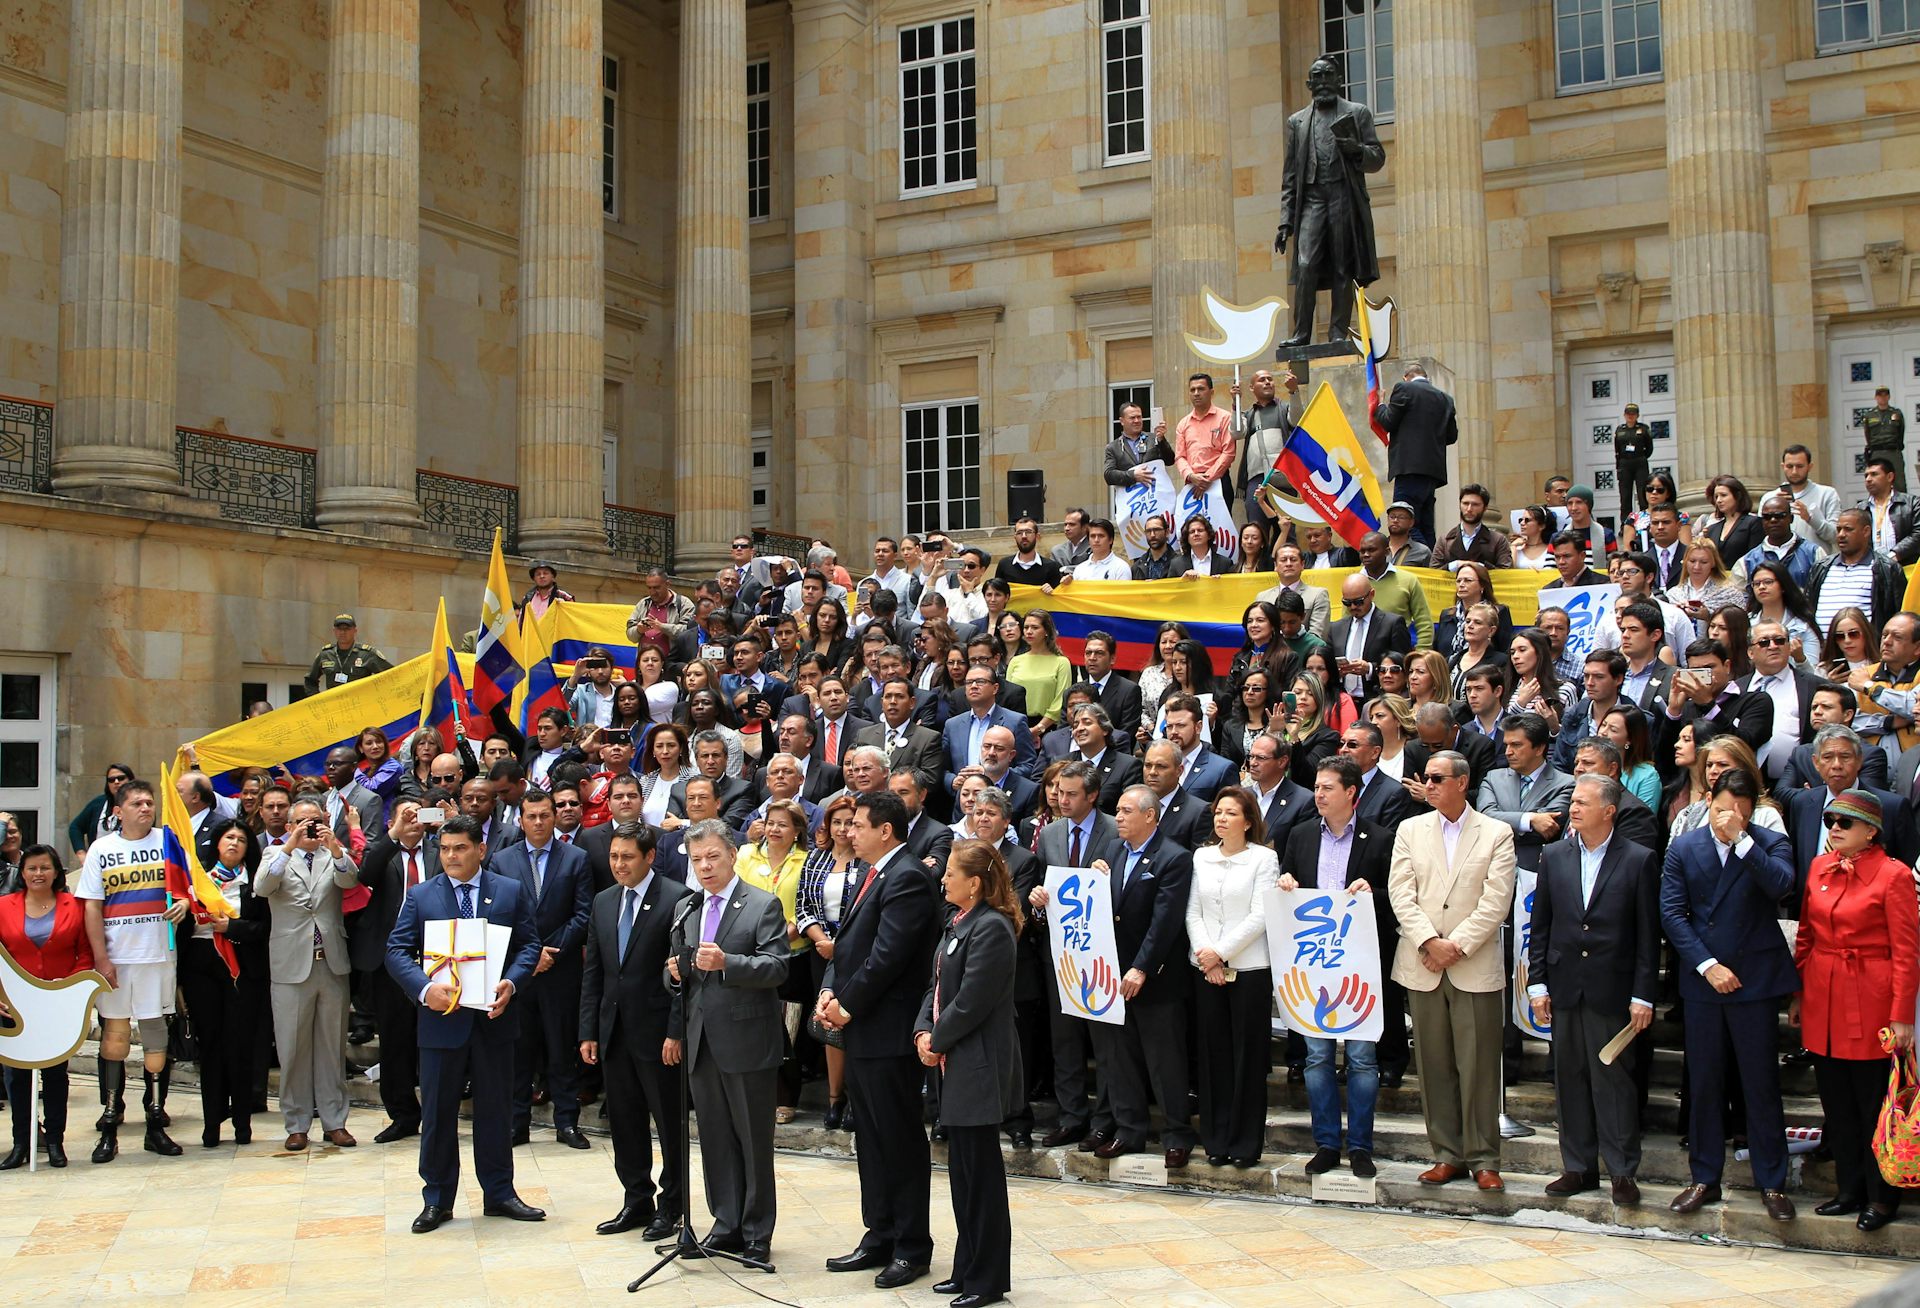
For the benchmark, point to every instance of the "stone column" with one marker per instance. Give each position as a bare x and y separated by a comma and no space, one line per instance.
562,319
1440,271
369,332
120,250
711,379
1192,187
832,192
1717,225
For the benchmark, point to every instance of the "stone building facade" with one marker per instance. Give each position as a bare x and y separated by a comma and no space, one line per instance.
839,266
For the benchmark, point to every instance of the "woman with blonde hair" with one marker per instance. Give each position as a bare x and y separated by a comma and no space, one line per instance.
1728,753
1429,679
1704,587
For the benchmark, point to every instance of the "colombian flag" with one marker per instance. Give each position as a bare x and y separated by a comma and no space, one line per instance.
497,666
443,701
541,689
1323,459
1373,347
186,879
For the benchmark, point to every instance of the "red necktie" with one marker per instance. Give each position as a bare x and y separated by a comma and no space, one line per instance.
833,741
1073,853
868,881
413,868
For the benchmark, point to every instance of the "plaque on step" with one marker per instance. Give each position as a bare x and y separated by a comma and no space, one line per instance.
1345,1188
1138,1169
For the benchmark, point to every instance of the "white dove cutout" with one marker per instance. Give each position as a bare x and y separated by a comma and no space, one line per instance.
50,1019
1246,331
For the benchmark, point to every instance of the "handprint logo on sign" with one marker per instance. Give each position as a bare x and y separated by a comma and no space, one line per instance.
1086,986
1322,1012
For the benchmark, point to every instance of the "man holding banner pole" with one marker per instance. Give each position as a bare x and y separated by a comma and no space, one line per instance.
1592,967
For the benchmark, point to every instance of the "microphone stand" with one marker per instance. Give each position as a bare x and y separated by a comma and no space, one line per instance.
685,1246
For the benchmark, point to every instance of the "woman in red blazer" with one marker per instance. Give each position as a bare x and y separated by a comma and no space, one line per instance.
1859,934
45,930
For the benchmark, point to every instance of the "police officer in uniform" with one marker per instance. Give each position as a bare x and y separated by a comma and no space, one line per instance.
1886,432
1632,447
345,660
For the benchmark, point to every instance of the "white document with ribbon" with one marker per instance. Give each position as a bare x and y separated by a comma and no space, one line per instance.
468,953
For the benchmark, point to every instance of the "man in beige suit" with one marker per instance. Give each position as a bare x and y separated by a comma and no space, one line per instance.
307,963
1451,885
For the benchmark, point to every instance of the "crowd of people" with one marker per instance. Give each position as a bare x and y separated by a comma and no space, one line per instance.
807,837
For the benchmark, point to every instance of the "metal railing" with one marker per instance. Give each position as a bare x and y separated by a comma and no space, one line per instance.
462,512
26,445
783,543
252,481
643,535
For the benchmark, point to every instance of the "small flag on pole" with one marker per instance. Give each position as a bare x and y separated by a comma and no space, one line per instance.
1324,461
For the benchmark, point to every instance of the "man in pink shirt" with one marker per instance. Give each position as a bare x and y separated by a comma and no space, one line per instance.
1203,443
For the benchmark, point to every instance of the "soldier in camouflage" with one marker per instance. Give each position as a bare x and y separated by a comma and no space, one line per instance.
346,659
1886,432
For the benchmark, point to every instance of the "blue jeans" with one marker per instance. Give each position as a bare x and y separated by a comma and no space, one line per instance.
1323,1094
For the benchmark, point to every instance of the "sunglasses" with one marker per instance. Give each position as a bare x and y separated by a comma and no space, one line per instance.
1774,517
1434,778
1768,642
1354,604
1840,821
566,803
443,776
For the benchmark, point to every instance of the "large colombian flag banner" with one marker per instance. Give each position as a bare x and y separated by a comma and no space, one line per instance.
1210,607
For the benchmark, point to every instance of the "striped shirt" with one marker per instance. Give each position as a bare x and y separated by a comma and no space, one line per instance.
1846,586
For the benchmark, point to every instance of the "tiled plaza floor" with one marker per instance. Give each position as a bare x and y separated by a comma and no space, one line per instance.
258,1226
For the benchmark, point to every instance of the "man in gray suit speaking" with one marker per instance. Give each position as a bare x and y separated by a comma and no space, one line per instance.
727,959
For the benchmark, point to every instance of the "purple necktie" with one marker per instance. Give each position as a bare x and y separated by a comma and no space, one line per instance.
711,926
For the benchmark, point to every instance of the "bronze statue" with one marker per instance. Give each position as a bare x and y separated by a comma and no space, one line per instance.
1324,210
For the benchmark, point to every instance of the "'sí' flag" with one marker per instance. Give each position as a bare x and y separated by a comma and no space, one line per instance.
1324,461
186,879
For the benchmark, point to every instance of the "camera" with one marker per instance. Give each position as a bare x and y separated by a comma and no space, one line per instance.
432,817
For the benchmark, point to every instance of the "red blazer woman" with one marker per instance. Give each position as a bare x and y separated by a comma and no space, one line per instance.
1859,935
66,950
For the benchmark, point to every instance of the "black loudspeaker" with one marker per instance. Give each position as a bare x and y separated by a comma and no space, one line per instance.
1026,494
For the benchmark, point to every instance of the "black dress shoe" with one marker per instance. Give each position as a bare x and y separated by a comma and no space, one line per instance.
948,1286
1218,1160
1022,1139
625,1220
660,1227
57,1153
1838,1208
1061,1135
977,1300
859,1260
1323,1160
717,1244
16,1158
1296,1073
571,1137
836,1114
514,1207
431,1218
760,1256
939,1133
396,1131
1361,1163
900,1272
1392,1080
1873,1218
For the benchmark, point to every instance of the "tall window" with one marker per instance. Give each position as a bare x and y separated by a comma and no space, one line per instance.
1123,77
1360,32
941,458
1606,42
1841,24
610,137
759,140
938,149
1122,393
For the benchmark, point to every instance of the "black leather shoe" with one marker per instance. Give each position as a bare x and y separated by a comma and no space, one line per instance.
431,1219
836,1114
939,1133
1061,1135
571,1137
900,1272
396,1131
1021,1139
977,1300
760,1256
57,1152
1218,1160
515,1208
16,1158
625,1220
1361,1163
523,1135
859,1260
1838,1208
1392,1080
1873,1218
1323,1160
728,1244
660,1228
948,1286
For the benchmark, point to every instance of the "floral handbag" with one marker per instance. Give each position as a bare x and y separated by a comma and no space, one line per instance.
1896,1137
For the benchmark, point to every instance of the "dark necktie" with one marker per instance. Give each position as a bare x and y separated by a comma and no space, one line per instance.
413,868
1073,847
627,901
466,901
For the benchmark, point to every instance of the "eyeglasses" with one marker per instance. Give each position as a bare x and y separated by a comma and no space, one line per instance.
1435,778
1355,603
566,803
1775,517
743,544
969,566
1833,821
443,776
1852,635
1768,642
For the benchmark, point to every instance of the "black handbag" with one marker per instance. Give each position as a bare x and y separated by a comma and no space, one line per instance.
183,1046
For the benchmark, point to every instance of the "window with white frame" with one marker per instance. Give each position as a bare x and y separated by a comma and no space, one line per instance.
1120,394
27,732
1124,52
938,143
759,140
1602,43
940,456
1849,24
267,683
610,137
1360,34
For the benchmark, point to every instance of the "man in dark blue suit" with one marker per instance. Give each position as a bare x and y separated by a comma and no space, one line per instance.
1839,756
1203,772
964,731
554,877
882,958
1718,893
459,1046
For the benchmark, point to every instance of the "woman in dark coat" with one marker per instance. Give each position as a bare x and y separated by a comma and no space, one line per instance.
228,1012
966,1031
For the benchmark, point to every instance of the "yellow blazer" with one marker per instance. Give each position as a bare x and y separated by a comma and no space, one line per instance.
1466,903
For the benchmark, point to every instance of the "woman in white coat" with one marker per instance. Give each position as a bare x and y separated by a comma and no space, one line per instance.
1227,943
